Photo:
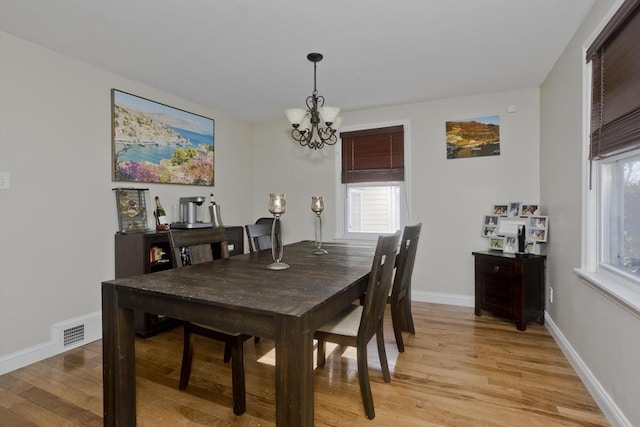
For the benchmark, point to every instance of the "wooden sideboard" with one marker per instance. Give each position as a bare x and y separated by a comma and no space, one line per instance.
133,256
510,286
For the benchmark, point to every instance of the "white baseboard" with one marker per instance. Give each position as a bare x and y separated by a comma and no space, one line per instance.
91,328
442,298
607,405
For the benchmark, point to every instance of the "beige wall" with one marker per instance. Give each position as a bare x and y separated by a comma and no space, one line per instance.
449,197
600,334
58,219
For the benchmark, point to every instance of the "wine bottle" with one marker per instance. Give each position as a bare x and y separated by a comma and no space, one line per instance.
161,216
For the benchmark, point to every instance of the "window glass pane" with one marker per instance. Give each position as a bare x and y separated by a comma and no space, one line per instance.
620,220
373,208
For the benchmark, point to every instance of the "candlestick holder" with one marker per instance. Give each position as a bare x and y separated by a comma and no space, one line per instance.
317,206
277,207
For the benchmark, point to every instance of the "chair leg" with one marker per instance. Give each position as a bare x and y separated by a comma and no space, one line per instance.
321,349
396,320
187,357
406,309
363,378
382,353
227,352
237,375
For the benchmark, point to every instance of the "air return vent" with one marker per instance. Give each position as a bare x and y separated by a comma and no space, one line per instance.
73,335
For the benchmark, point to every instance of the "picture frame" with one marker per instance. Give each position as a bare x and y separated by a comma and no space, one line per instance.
500,210
529,209
509,225
538,228
496,243
530,247
156,143
489,232
490,221
510,245
514,209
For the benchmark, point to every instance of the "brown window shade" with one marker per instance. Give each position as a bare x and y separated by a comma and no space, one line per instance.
615,106
373,155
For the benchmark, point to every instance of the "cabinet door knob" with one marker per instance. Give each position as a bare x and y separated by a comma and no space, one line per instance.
496,268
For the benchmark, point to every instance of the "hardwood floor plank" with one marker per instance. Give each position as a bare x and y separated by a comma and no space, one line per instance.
458,370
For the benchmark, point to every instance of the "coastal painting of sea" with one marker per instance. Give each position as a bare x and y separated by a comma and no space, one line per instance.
156,143
476,137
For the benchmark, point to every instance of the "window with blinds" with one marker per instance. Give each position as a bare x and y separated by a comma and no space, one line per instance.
373,174
614,146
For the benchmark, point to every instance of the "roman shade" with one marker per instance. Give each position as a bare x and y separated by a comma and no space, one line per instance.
615,106
373,155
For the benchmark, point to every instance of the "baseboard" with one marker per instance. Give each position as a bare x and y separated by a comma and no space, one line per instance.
65,335
442,298
607,405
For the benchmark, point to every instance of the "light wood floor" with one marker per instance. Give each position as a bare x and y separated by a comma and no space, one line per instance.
458,370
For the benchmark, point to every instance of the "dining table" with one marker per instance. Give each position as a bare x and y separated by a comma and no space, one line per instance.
237,294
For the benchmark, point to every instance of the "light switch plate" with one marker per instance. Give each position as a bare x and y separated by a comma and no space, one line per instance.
5,184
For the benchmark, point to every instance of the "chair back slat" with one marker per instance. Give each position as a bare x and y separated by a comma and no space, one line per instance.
379,286
406,260
196,245
259,236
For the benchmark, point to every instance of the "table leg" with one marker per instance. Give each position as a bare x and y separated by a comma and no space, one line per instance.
294,372
118,353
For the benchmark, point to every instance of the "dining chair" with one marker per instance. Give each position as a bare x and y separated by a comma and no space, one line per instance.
400,299
194,246
259,236
357,324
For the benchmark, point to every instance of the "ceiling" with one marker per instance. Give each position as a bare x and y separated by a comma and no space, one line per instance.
247,58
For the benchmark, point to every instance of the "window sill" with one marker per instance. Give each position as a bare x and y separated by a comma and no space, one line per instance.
617,289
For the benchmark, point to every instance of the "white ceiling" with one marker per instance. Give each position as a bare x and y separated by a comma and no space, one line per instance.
248,57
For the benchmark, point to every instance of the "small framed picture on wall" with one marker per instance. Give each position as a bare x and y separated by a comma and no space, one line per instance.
500,210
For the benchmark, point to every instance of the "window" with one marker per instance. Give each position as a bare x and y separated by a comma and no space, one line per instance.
620,214
614,149
372,176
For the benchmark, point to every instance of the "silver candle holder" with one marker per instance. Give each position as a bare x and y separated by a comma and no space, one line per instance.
277,207
317,206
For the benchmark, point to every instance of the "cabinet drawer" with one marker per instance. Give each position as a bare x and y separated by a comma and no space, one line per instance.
497,267
498,294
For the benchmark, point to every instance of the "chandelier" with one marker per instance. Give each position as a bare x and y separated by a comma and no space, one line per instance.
308,124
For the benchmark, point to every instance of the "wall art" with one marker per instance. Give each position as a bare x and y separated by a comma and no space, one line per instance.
474,137
156,143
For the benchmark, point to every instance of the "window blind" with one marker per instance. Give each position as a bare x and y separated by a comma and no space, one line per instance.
615,106
373,155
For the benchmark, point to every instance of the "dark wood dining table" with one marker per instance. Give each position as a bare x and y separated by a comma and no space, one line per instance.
240,294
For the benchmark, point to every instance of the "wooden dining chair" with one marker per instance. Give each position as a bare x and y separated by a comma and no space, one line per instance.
194,246
357,324
259,236
400,299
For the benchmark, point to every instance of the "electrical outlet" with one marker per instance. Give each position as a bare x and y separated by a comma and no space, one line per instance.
550,295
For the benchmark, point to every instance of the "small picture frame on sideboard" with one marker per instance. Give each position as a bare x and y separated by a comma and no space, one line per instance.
496,243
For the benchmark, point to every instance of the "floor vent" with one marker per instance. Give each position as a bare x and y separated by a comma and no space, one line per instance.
73,335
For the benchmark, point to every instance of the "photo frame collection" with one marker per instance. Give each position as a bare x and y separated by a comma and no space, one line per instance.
500,227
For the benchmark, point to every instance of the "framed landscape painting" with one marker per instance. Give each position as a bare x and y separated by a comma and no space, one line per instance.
476,137
156,143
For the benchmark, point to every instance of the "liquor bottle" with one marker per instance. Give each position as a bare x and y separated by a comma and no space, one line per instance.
161,216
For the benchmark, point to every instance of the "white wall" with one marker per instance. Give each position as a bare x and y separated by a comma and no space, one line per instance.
602,335
448,196
58,219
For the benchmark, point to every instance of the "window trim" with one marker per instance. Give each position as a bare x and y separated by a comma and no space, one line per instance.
405,189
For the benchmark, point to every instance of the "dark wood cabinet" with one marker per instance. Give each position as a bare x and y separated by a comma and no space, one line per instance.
148,252
510,286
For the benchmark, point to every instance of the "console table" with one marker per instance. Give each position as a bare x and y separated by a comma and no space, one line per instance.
133,256
510,286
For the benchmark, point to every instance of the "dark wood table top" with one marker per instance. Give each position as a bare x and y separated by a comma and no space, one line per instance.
244,281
